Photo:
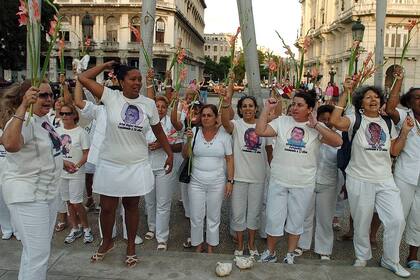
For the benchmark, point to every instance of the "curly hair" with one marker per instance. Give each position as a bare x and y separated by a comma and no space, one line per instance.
241,101
407,98
10,99
308,95
360,92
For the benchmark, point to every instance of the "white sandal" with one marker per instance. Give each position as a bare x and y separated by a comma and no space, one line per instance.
149,235
162,246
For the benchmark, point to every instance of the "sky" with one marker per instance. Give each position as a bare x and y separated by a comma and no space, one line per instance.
269,15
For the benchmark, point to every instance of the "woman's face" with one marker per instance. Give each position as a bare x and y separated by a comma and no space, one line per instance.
162,108
415,102
196,117
208,118
132,83
248,109
67,116
300,110
44,101
325,118
371,102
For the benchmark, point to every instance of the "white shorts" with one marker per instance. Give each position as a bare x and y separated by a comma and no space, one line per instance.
72,189
286,208
128,180
90,168
327,97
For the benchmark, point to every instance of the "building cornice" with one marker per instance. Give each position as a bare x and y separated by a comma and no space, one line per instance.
184,20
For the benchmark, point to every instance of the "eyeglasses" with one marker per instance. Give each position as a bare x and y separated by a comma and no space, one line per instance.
66,113
45,95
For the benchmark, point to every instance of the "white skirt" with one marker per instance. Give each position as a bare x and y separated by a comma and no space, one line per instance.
123,180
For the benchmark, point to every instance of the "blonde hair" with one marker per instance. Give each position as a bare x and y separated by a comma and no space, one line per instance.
10,99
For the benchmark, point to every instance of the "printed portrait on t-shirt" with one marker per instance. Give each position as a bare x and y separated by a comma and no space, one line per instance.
65,144
375,135
132,115
297,138
55,138
252,141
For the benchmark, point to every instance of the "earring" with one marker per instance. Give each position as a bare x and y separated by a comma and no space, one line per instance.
361,110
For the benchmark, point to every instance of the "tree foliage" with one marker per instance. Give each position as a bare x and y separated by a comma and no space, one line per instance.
13,36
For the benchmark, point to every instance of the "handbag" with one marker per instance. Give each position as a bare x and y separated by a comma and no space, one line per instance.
184,177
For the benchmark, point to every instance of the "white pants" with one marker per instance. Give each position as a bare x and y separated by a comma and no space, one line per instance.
410,199
246,205
185,199
286,209
205,201
62,206
321,207
5,222
158,204
385,197
35,223
263,215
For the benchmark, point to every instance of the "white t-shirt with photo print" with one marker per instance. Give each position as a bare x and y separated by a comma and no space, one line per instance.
125,136
249,153
295,154
73,142
370,158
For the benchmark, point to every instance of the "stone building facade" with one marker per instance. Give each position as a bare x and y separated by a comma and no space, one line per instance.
331,22
107,23
216,46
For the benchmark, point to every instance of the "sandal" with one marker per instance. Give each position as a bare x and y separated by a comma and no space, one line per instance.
149,235
162,246
100,256
131,261
187,244
60,226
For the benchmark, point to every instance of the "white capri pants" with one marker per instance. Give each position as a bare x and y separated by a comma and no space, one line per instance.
185,199
246,205
286,209
35,223
322,208
158,204
385,197
72,189
205,201
5,222
410,199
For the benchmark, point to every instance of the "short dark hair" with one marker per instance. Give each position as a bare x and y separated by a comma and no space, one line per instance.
325,109
121,70
407,98
360,92
241,100
211,107
308,95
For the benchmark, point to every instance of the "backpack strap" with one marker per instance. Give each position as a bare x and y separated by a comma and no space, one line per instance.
356,125
387,119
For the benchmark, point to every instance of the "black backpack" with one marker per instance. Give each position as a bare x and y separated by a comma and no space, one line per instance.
344,153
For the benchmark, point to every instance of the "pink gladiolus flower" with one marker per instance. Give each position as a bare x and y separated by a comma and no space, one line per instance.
53,25
410,25
35,7
181,56
23,13
136,33
183,74
272,65
368,58
306,43
60,48
88,41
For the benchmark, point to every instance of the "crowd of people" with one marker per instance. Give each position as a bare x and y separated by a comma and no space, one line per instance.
279,167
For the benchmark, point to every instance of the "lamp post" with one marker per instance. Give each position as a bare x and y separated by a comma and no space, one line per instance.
307,76
332,73
357,30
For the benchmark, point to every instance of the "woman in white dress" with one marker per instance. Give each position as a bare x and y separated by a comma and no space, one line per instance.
124,169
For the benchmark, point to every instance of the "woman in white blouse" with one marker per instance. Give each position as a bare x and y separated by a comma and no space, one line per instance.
212,160
30,181
369,180
124,169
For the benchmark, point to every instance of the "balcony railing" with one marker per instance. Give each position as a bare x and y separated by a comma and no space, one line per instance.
133,46
110,46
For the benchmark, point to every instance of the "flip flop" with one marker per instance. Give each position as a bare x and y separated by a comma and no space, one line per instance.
131,261
413,264
187,244
100,256
149,235
60,226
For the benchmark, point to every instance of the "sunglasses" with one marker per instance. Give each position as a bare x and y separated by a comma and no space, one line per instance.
66,113
45,95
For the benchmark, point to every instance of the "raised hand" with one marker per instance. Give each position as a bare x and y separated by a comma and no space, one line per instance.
30,96
271,103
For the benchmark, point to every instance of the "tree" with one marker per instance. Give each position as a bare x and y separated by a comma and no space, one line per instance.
13,36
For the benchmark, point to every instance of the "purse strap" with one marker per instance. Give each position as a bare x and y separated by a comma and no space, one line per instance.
195,136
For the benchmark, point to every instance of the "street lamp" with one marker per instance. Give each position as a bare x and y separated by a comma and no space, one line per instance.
332,73
357,30
307,76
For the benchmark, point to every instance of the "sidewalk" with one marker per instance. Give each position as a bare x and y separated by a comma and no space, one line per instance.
73,263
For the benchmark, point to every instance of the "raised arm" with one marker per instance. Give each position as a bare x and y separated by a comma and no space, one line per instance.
68,99
394,97
398,144
337,119
150,91
227,106
329,136
262,128
87,78
78,96
176,123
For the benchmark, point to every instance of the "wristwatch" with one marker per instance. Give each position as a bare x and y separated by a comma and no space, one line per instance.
231,181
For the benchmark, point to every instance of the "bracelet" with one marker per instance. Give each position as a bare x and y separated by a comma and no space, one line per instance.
19,118
168,86
338,107
149,86
225,106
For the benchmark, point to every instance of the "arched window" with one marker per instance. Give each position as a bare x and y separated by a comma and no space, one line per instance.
112,29
160,31
135,22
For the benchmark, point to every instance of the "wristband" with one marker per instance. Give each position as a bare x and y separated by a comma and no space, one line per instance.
231,181
338,107
149,86
19,118
225,106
